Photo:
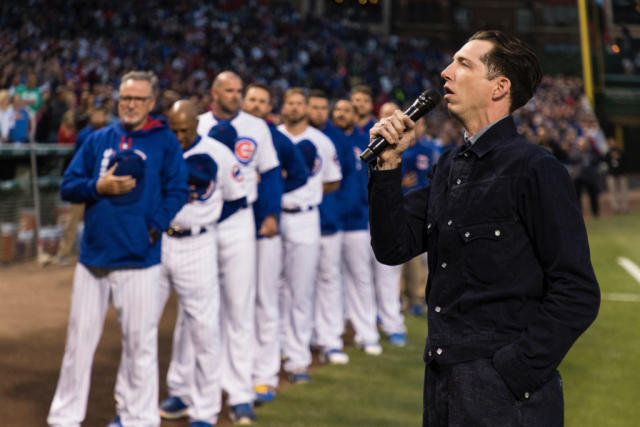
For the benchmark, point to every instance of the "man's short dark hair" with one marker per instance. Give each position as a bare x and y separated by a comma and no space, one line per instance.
515,60
318,93
364,89
259,86
296,91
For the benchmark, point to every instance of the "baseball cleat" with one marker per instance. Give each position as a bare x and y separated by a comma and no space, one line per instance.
299,377
373,349
398,339
173,408
416,310
264,393
242,414
335,356
115,422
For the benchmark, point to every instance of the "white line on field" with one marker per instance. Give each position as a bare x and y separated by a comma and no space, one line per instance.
631,267
612,296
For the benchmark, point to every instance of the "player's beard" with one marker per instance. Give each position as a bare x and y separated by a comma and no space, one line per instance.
294,120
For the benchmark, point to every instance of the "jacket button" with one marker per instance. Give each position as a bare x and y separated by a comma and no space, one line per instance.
443,265
439,352
466,154
450,222
526,395
458,181
467,235
438,309
429,353
497,233
428,226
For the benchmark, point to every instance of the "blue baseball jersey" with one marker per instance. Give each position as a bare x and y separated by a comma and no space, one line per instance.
356,213
116,233
293,168
419,159
333,204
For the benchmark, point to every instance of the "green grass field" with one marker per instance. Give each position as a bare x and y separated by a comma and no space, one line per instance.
601,373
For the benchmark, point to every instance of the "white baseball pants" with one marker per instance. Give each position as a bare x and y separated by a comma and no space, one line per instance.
329,301
359,286
134,292
237,275
301,249
187,267
266,364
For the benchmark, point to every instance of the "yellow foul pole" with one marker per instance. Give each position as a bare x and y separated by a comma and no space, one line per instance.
586,51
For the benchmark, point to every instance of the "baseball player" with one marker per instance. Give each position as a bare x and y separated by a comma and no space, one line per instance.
300,222
266,365
249,139
329,301
188,246
371,287
133,179
362,101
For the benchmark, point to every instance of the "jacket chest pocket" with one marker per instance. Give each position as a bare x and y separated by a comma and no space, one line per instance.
485,250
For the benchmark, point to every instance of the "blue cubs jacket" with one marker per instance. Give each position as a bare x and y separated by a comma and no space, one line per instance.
116,228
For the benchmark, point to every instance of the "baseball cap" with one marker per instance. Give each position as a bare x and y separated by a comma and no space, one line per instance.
203,171
129,163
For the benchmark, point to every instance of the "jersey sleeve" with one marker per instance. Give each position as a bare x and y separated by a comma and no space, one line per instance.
331,170
231,178
267,156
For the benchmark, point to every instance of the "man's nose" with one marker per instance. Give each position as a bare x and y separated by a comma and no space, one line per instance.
445,73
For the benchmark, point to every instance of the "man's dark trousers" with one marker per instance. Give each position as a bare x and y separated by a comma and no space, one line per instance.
472,394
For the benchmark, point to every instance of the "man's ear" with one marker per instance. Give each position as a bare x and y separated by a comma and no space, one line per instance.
501,89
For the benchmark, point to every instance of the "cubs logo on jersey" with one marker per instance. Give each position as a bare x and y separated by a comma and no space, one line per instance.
236,173
422,162
245,149
310,154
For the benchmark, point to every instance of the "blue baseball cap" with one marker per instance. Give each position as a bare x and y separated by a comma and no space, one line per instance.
131,163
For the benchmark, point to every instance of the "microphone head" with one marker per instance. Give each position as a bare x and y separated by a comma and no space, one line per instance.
428,99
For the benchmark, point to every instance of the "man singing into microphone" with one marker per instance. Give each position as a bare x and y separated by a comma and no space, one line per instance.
511,286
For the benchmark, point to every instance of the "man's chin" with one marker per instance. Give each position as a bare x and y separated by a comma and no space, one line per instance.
131,124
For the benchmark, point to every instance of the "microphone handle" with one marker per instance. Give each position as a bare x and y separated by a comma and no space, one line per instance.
378,144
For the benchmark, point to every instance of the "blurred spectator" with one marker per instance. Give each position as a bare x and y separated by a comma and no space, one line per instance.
617,181
21,127
30,94
67,129
97,120
6,116
586,161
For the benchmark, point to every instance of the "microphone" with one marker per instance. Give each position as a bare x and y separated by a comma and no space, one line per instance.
426,102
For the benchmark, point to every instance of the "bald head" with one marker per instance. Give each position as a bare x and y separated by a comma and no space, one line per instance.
387,109
226,92
183,121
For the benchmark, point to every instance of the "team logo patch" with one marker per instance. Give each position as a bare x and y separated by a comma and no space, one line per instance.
357,152
422,162
317,165
236,173
245,149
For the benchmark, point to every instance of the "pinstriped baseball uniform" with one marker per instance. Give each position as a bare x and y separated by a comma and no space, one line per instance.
254,150
300,226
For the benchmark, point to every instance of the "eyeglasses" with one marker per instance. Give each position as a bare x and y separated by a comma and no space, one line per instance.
134,99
